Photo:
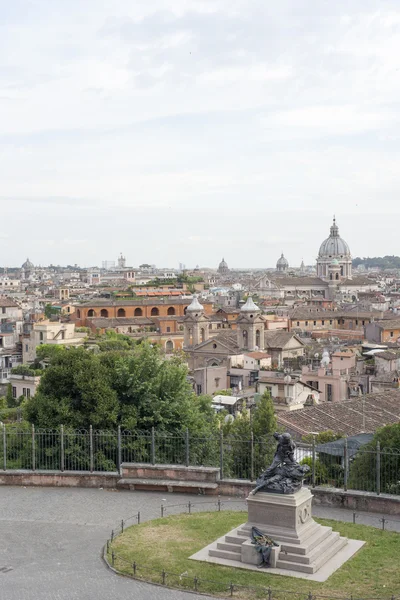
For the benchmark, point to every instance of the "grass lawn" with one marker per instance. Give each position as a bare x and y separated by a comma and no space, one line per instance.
166,544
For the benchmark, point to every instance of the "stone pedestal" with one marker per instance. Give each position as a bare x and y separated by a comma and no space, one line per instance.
284,516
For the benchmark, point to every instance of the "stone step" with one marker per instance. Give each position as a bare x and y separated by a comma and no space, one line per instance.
235,539
317,564
310,557
280,536
319,535
225,554
230,547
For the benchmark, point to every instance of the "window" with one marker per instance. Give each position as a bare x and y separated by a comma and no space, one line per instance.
198,390
298,323
363,322
26,347
168,329
315,322
138,312
104,313
356,321
24,392
41,336
323,322
155,312
391,334
121,312
214,346
258,338
171,310
14,392
169,346
78,313
330,322
217,381
91,313
3,310
329,392
306,323
28,392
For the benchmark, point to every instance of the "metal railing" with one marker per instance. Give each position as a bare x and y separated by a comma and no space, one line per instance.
138,570
368,469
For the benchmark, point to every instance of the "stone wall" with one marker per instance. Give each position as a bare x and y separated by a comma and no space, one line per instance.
383,504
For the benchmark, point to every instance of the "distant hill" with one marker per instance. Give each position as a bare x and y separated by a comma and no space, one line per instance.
383,262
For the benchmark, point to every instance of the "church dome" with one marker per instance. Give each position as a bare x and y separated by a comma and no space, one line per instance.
334,245
223,266
194,306
27,265
249,306
282,262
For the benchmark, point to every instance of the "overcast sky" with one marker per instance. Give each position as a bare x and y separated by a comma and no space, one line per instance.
187,130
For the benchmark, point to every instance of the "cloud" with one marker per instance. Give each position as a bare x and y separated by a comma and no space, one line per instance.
175,131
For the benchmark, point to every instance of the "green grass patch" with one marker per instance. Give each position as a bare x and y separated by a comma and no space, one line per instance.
166,544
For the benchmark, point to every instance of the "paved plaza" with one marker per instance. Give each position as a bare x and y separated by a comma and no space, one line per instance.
52,538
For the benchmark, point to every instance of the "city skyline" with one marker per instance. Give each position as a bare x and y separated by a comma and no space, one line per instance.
193,130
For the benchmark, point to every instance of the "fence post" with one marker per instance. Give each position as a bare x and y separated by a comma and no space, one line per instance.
33,449
62,458
4,448
91,447
346,465
221,454
252,456
378,468
187,448
313,463
119,458
153,447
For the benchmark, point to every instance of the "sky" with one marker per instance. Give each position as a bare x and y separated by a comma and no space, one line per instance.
191,130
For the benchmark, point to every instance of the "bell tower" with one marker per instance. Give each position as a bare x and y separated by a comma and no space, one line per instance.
250,327
195,324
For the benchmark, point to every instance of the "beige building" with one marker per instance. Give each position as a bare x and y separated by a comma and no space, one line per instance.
288,394
23,385
48,332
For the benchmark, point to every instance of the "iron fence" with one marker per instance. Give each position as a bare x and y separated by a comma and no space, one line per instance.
369,469
139,570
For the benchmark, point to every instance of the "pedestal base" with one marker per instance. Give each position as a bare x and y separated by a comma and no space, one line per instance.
304,546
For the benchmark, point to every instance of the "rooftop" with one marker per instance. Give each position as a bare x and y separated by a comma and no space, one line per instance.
363,414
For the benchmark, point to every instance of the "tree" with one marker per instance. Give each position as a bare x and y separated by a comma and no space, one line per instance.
363,469
264,419
75,390
324,437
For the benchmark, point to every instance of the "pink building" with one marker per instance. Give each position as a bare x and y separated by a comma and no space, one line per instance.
332,380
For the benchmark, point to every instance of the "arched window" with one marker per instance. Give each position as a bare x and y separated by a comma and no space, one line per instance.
245,339
121,312
155,312
91,313
337,276
330,276
169,347
202,335
258,338
341,270
41,335
104,313
138,312
184,310
171,310
78,313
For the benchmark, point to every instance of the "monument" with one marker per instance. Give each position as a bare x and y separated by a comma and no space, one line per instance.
280,533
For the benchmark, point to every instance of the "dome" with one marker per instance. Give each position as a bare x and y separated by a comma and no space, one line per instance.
282,262
194,306
223,264
249,307
334,245
27,265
